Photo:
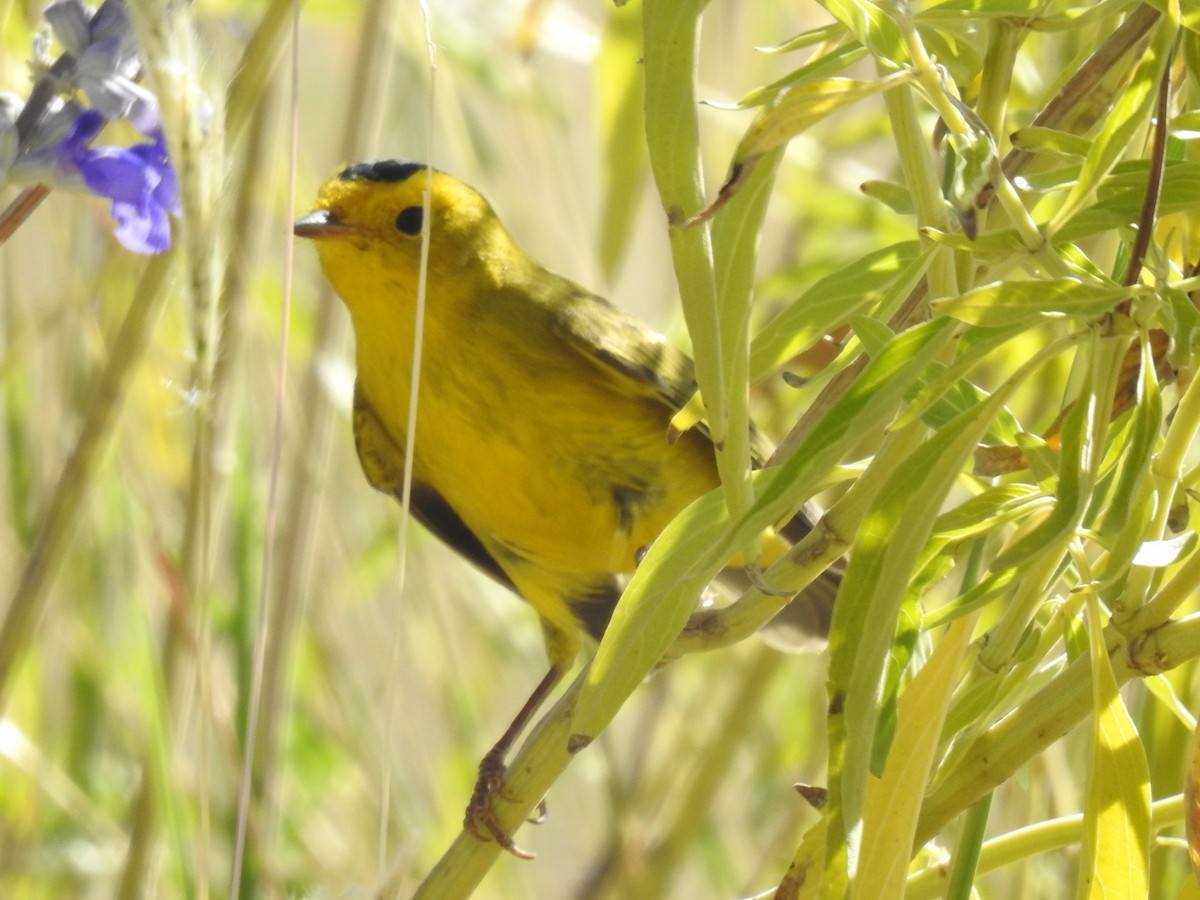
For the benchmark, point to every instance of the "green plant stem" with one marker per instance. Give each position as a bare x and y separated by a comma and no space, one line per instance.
168,42
539,762
803,564
246,226
1104,365
253,74
928,76
995,755
1079,88
671,32
143,825
934,87
1042,837
61,516
1166,469
1006,195
302,494
968,851
921,178
1004,39
1040,577
1172,595
735,235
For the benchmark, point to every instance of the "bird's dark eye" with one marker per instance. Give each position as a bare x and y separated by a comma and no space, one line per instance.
410,219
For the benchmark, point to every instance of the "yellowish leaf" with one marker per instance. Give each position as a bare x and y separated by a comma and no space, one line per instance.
796,110
893,801
1117,833
803,878
802,107
1191,803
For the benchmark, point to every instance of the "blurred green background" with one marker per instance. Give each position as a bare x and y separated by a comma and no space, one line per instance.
122,738
90,708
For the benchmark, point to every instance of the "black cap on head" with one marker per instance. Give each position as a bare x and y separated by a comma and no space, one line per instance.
382,170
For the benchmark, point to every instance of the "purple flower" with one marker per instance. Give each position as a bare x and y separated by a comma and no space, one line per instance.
138,180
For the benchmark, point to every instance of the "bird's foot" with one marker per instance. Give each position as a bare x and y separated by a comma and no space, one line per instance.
480,819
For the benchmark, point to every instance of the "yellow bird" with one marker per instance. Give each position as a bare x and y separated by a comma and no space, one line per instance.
541,450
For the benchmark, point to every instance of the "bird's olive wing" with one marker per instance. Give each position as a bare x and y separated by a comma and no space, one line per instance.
641,361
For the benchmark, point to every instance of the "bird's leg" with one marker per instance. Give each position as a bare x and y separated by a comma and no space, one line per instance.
480,819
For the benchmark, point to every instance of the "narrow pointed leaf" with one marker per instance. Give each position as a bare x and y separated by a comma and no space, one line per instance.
1117,829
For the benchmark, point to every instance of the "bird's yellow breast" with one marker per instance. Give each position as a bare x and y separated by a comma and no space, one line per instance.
539,454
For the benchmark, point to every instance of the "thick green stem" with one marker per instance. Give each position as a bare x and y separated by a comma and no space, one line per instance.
994,756
671,34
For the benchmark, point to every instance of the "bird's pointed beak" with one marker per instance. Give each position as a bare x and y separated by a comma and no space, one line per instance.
321,223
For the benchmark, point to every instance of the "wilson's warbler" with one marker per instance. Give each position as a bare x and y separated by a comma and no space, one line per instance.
541,450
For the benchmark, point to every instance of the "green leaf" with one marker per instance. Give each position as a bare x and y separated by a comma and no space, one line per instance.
804,39
1131,506
1116,817
1119,199
1072,489
653,610
693,548
872,398
800,108
973,346
873,334
890,541
895,197
986,510
873,27
820,66
1013,303
1131,111
735,240
975,598
1050,140
1186,126
620,87
672,137
1182,322
956,44
857,287
900,657
792,113
893,801
957,9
